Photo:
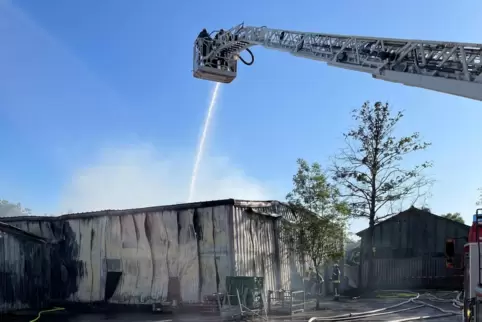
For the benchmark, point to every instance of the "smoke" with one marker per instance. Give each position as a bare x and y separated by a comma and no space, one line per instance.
119,177
141,176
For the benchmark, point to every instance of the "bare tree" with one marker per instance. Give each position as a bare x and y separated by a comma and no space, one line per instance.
369,167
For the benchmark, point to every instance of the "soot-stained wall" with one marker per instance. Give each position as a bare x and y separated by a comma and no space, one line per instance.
24,273
259,249
178,253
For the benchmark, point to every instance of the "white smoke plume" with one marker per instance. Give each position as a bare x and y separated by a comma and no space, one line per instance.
121,177
140,176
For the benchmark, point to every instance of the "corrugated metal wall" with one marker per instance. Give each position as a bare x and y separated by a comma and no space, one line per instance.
254,247
410,251
259,249
24,273
155,249
415,273
167,254
414,233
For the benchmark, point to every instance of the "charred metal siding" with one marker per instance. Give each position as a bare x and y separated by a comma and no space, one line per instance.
164,253
255,250
258,247
24,270
410,251
181,252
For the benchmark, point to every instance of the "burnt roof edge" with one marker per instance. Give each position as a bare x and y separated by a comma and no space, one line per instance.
174,207
9,229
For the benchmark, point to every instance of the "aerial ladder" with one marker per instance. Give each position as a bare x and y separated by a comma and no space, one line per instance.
447,67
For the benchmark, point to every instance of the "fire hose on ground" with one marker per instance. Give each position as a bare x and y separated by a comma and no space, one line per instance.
414,300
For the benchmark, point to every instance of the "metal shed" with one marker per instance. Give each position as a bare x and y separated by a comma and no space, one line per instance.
182,252
24,270
409,251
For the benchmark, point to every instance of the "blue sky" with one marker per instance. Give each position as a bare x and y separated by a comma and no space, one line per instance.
99,109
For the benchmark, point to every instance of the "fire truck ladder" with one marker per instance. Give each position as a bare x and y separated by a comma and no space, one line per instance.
447,67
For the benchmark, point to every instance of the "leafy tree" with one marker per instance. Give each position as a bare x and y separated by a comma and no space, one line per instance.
313,191
455,216
316,231
368,169
8,209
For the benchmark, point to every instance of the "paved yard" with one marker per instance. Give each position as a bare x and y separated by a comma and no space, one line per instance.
353,306
330,308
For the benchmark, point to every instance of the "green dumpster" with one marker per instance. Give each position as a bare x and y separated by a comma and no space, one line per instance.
252,286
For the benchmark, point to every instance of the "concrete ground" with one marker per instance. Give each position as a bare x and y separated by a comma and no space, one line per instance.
328,308
362,305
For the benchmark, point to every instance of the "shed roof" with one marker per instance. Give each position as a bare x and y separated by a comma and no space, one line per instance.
175,207
11,230
414,210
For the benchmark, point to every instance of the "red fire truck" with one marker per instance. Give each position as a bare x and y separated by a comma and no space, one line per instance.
472,270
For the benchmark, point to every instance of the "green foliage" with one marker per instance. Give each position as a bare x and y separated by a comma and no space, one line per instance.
313,191
321,239
317,229
455,216
369,168
8,209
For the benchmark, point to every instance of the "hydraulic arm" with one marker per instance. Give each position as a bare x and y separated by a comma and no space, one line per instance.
448,67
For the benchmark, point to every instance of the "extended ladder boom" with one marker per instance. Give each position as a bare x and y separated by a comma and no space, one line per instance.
453,68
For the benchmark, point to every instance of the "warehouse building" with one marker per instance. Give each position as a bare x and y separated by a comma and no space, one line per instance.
180,252
409,252
24,270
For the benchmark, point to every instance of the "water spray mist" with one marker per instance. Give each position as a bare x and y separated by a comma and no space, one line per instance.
202,140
